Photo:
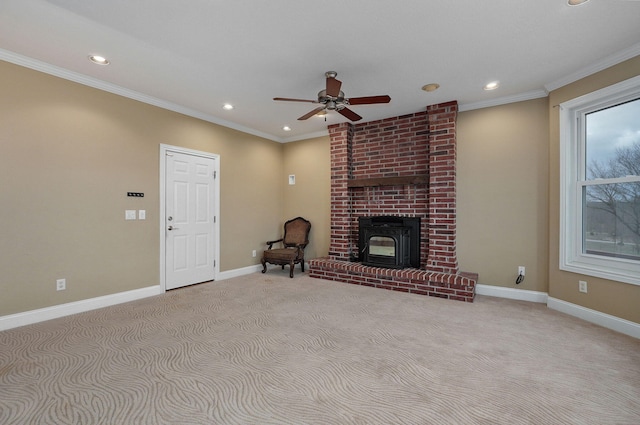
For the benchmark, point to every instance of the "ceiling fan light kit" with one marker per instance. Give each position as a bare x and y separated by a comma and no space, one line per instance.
333,99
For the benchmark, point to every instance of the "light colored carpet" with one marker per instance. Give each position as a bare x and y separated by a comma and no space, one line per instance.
266,349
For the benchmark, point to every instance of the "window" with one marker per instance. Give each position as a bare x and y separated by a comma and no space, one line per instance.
600,183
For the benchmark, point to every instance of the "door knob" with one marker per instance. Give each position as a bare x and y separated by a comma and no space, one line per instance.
172,228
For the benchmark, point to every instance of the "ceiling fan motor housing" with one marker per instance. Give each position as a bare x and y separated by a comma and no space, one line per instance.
332,103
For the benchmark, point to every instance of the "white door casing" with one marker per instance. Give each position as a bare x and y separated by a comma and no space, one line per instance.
189,210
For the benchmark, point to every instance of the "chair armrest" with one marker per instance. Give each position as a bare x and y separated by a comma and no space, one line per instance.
270,243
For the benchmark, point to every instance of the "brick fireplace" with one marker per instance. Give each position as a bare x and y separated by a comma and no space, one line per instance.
403,166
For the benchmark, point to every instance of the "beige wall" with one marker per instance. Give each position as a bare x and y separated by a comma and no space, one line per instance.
309,161
502,189
615,298
70,154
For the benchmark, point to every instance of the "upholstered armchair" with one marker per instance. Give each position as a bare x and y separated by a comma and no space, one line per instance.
294,241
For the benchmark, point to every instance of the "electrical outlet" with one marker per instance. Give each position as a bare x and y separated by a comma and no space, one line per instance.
61,284
582,286
520,270
253,253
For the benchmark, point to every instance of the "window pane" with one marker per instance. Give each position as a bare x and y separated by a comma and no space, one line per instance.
611,220
613,141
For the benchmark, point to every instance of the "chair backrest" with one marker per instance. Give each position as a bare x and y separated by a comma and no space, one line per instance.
296,231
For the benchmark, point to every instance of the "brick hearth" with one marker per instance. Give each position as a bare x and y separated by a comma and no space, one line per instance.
402,166
459,287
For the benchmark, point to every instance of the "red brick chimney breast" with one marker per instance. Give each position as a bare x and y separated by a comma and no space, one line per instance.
401,166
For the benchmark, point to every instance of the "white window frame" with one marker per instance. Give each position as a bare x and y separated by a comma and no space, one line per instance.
572,181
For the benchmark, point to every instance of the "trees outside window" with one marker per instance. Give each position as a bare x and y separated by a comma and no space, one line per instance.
612,211
612,201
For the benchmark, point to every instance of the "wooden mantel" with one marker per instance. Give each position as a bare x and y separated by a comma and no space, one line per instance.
389,181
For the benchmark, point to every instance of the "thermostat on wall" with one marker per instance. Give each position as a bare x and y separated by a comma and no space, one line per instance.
136,194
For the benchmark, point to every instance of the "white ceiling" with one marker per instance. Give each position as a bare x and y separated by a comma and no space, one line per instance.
194,56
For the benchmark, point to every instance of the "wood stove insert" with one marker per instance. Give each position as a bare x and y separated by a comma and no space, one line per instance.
389,241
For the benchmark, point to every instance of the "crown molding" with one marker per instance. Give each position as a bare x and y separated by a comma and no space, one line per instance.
598,66
534,94
306,136
76,77
47,68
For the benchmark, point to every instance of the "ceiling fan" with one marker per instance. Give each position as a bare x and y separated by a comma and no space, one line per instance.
332,99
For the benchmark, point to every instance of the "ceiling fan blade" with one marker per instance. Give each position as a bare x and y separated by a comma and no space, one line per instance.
368,100
294,100
346,112
310,114
333,87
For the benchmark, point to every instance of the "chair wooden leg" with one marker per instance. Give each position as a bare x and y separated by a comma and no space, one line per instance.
264,266
291,264
302,265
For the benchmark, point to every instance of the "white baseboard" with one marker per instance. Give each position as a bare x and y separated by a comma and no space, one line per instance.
511,293
602,319
34,316
605,320
40,315
239,272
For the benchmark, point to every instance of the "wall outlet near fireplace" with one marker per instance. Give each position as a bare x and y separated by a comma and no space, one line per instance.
520,270
582,286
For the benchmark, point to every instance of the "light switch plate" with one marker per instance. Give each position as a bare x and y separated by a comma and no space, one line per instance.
142,214
130,214
292,179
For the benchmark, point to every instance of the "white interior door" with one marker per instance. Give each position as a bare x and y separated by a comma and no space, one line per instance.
189,219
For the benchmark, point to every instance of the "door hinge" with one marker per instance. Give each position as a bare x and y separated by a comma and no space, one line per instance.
215,174
214,218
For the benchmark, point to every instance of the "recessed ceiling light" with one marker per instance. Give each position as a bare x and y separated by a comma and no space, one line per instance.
492,85
100,60
576,2
431,87
286,128
227,107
